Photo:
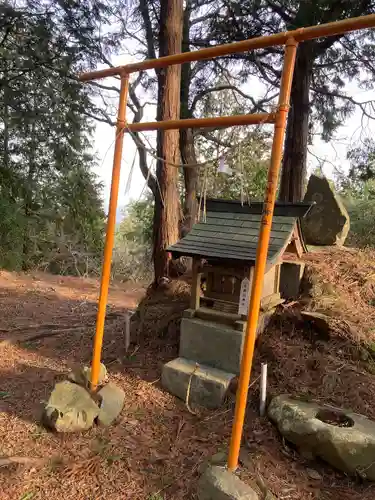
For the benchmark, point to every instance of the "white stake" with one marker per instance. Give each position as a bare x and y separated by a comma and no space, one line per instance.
263,389
127,331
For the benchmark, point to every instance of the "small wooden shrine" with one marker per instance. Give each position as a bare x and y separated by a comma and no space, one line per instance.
223,248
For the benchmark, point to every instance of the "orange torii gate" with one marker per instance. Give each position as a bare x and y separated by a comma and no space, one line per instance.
290,39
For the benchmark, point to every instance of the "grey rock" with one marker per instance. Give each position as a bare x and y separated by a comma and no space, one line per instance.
82,375
344,439
70,408
208,386
314,474
320,321
327,223
112,402
220,458
217,483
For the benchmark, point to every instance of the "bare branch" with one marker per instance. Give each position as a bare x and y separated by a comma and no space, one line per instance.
209,90
207,134
101,119
104,87
137,109
362,105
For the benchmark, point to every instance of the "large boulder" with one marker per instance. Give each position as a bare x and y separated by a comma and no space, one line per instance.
344,439
70,408
327,223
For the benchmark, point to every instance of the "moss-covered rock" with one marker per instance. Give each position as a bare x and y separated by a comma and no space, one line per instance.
327,223
344,439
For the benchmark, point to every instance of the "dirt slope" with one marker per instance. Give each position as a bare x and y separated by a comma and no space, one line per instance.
155,449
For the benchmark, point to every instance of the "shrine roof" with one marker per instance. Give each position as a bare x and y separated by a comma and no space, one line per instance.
230,231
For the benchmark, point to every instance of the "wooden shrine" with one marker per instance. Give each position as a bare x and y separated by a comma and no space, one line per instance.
223,248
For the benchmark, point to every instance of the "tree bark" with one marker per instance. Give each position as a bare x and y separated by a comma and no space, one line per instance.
293,174
187,149
167,203
188,156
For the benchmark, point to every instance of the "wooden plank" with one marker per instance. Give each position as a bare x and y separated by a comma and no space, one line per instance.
209,279
225,238
256,207
241,246
244,218
227,221
221,296
222,250
233,271
196,285
231,242
226,229
277,278
271,301
234,250
217,316
222,238
219,253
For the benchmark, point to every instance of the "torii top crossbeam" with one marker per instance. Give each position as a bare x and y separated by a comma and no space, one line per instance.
290,40
299,35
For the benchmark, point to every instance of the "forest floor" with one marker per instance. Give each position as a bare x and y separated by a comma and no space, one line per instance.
156,448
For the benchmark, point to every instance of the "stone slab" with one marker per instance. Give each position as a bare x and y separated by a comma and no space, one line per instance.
112,400
70,408
291,274
208,387
217,483
344,439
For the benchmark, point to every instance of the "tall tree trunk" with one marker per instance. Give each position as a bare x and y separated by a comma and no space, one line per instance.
167,203
187,149
297,133
6,132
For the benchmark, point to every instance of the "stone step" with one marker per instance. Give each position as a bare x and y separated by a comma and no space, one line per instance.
208,386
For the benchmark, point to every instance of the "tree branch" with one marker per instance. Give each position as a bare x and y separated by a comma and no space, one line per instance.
97,118
143,7
361,105
209,90
321,47
280,11
104,87
141,148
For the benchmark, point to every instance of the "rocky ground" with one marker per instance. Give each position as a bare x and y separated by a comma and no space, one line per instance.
156,448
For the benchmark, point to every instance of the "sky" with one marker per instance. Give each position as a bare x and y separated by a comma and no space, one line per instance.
331,155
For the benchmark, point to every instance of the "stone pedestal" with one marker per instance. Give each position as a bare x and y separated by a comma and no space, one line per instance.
211,344
210,357
214,344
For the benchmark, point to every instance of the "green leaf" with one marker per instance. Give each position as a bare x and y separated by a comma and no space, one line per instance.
27,496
